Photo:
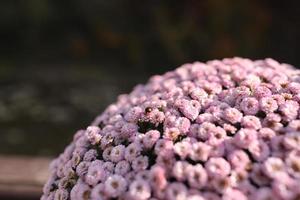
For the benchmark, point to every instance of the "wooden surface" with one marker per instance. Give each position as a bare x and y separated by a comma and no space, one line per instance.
22,177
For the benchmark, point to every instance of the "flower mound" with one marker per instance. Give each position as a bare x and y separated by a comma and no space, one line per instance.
225,129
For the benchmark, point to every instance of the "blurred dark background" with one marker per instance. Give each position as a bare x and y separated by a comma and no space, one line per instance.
62,62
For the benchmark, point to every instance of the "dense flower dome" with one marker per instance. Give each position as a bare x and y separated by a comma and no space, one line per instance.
226,129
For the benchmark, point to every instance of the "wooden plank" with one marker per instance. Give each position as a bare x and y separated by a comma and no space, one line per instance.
22,176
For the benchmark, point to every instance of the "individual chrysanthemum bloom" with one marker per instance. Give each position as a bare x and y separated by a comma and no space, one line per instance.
232,115
167,161
289,109
164,147
68,170
262,91
176,191
139,190
82,142
75,160
180,170
171,133
98,192
132,151
258,176
204,131
106,140
200,151
133,114
294,87
189,109
241,91
244,137
249,105
130,176
292,140
140,163
183,125
106,153
273,121
216,109
80,151
80,191
198,94
217,167
238,177
196,176
95,174
251,122
251,81
278,98
143,175
90,155
217,136
259,150
217,149
221,184
115,185
224,129
266,134
150,138
66,182
93,134
156,117
204,117
238,159
158,179
286,188
109,167
293,163
129,129
182,149
274,167
293,125
230,129
117,153
268,104
122,167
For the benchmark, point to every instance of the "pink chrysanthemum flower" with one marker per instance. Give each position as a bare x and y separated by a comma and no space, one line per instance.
226,129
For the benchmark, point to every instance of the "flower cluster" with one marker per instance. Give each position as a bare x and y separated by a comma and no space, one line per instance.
226,129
